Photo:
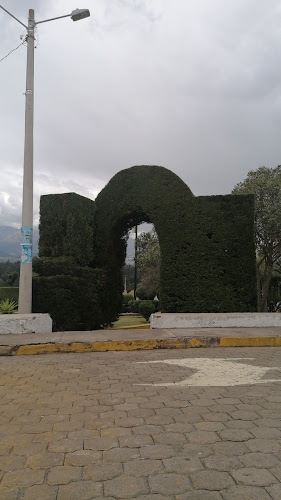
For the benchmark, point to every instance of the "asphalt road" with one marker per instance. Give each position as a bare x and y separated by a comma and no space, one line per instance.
163,424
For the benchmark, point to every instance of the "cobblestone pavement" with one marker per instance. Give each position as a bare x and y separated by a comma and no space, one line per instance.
81,426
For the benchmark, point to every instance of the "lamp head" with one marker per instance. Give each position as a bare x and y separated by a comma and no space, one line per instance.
78,14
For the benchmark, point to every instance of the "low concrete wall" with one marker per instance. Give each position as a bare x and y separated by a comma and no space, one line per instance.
25,323
215,320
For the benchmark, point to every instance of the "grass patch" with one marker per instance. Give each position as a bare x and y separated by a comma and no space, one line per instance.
130,321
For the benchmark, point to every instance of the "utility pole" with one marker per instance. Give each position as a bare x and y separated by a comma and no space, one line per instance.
136,253
25,284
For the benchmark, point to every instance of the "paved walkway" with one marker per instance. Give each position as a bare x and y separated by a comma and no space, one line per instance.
126,340
128,425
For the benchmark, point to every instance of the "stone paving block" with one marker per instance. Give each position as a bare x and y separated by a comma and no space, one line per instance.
42,492
100,444
216,417
135,441
102,472
159,420
266,433
116,432
235,435
11,462
170,438
245,493
182,465
277,472
5,449
8,494
45,460
49,437
139,467
230,448
211,480
64,474
222,463
66,446
209,426
200,495
263,445
148,429
196,450
129,422
67,426
263,460
241,424
36,428
169,484
203,437
82,490
158,451
254,477
82,457
120,454
22,478
275,491
126,487
268,422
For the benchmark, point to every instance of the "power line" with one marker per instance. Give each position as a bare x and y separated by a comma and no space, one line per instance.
13,50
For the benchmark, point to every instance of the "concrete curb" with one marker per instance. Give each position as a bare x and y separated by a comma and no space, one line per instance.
135,345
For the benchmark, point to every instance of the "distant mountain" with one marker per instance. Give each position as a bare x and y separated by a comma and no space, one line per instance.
10,239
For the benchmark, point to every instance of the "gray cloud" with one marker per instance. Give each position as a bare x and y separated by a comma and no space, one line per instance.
192,86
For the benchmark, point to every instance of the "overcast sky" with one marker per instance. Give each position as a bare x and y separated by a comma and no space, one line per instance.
191,85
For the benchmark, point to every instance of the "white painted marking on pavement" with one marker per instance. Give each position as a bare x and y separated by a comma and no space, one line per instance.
218,372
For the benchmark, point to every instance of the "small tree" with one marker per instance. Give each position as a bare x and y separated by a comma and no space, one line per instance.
148,264
265,184
146,308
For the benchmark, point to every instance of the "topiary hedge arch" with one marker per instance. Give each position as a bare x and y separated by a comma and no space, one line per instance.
207,243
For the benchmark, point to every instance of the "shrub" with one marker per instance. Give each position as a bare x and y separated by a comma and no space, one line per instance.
146,308
127,303
73,302
8,306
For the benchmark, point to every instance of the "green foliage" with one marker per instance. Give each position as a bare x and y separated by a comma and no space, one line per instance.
74,302
146,308
66,283
127,303
8,306
265,184
207,249
207,243
148,260
9,273
66,227
11,293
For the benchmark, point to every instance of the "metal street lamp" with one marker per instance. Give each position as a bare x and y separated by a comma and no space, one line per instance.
25,285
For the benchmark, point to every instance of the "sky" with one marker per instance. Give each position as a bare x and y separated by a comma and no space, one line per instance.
191,85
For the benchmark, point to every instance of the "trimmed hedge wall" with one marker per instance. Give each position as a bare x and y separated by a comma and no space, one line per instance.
207,243
66,285
66,227
74,302
207,249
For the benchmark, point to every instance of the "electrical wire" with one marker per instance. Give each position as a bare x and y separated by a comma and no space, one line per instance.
12,50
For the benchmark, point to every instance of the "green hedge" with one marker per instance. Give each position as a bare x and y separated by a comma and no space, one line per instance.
11,293
207,249
74,302
207,243
66,227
